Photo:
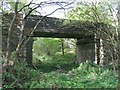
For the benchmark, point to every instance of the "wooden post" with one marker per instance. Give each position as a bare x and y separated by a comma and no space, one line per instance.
29,53
85,49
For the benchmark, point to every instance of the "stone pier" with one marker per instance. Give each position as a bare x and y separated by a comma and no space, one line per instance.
85,49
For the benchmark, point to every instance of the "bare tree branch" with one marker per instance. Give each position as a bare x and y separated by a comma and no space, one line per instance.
25,6
41,18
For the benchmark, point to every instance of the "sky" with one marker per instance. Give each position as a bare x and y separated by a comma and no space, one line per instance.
50,8
59,13
47,9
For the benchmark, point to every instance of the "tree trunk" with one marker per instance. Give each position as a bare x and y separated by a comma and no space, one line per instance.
118,17
101,55
97,51
1,50
118,14
62,46
10,33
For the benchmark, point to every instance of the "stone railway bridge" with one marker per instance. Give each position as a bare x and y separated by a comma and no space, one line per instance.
88,43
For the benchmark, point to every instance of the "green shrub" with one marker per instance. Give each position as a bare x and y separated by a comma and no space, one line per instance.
60,72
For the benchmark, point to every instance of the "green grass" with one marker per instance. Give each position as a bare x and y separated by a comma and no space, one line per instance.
60,71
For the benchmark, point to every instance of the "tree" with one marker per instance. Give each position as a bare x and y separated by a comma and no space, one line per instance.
0,50
46,46
26,10
102,12
118,29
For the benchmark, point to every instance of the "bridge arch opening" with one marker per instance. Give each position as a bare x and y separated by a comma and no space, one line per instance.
54,53
84,49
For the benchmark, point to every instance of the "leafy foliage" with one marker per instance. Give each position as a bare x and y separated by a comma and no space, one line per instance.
55,70
60,71
47,46
102,12
52,46
92,12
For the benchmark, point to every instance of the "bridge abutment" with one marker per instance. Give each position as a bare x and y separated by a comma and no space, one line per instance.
85,49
